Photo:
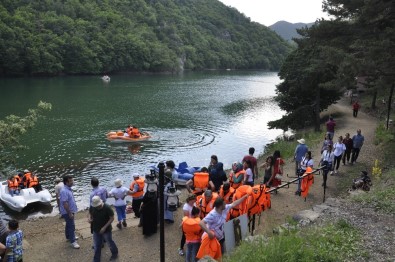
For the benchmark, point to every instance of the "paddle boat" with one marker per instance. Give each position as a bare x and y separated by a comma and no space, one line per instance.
118,137
25,197
184,173
106,78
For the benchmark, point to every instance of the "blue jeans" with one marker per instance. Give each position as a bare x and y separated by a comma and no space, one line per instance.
98,241
70,228
121,212
191,252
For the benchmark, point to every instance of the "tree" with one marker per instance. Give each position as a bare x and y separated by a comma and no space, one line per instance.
12,128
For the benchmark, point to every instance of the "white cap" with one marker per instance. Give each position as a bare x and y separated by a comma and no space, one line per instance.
118,182
301,141
26,171
136,175
96,201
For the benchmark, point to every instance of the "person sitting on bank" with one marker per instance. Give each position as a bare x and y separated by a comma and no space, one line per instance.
13,186
200,182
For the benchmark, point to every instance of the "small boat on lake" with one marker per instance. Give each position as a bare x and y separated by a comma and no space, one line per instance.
106,78
25,197
119,137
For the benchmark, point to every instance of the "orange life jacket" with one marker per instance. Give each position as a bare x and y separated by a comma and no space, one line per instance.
191,229
136,132
205,207
12,184
242,207
140,191
26,178
307,181
257,201
228,196
210,247
17,179
200,182
235,180
33,181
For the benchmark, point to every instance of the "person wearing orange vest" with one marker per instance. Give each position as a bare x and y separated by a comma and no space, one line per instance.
206,202
13,186
200,182
236,176
33,182
26,178
135,132
137,188
213,223
226,192
193,233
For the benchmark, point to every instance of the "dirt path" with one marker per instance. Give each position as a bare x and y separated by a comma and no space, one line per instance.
46,242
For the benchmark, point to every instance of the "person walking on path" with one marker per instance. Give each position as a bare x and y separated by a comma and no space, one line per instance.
68,208
326,142
14,250
347,141
327,158
254,165
338,150
119,193
300,151
357,143
307,161
330,127
355,107
101,217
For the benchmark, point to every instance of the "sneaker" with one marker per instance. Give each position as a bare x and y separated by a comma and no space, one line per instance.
119,226
75,245
124,223
113,257
76,238
180,252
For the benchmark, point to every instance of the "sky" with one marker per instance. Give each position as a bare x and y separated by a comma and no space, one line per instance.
268,12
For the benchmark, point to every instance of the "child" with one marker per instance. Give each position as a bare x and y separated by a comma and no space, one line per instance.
14,251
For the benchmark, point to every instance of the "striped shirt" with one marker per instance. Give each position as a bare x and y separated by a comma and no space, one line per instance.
14,245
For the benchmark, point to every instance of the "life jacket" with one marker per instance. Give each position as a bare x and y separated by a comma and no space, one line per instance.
17,179
307,181
33,181
228,197
135,132
209,247
200,182
257,201
12,184
26,178
140,191
191,229
205,207
236,180
241,208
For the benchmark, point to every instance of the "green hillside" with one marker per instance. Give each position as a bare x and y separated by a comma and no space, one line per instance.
52,37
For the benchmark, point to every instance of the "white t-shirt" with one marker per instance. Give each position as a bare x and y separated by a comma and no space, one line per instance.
58,187
327,156
187,208
249,175
119,194
306,163
338,148
215,221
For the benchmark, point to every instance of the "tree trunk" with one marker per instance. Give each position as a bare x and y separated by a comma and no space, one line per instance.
389,104
374,98
317,109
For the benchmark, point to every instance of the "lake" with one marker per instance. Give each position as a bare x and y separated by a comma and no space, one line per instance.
190,116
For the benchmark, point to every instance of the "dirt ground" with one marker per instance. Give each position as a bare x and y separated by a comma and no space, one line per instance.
45,240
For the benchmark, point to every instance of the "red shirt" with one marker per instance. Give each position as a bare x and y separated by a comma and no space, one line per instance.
330,126
252,160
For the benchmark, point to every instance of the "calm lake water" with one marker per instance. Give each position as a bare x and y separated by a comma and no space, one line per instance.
190,116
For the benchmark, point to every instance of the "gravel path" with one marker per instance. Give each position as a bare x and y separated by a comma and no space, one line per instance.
45,237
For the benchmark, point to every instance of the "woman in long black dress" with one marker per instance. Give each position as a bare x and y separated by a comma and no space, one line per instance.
150,213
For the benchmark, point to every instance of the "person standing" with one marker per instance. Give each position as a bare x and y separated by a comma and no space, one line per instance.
149,213
3,236
101,216
249,175
338,149
268,167
307,161
187,210
347,141
278,163
355,107
137,192
300,151
330,127
254,164
192,231
119,193
357,143
58,186
218,176
97,191
327,158
68,208
14,249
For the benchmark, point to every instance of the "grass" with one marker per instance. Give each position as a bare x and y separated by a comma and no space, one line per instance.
334,242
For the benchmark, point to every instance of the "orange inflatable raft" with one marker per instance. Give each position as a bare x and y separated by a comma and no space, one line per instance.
118,137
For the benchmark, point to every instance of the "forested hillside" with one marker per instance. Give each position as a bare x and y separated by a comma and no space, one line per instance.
287,30
51,37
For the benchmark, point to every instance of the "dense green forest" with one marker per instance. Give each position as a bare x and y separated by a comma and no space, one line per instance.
51,37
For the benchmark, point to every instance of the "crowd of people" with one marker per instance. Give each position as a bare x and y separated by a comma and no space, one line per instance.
23,180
